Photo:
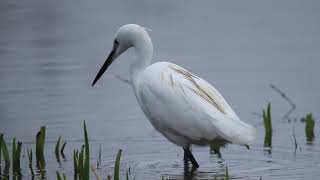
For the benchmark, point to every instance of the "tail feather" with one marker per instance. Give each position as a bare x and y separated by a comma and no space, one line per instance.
235,130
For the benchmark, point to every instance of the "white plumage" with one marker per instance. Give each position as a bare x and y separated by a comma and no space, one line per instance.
183,107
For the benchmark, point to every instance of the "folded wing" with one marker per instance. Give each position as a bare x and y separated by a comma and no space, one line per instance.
210,111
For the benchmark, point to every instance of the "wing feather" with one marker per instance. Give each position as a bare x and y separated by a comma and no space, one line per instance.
201,88
211,117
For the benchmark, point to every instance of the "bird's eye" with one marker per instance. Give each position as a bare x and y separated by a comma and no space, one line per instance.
116,42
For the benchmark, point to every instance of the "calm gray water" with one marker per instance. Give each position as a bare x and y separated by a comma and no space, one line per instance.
50,52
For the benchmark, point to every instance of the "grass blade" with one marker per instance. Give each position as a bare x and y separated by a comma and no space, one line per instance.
57,147
267,120
58,176
99,158
108,177
75,162
61,175
62,149
116,174
309,129
40,141
14,149
5,150
127,174
227,174
87,153
6,158
43,137
0,151
80,162
18,150
16,153
57,150
30,161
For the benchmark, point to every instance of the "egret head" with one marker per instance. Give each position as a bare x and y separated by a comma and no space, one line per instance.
127,36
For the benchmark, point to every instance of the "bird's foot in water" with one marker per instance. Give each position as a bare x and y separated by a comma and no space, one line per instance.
188,156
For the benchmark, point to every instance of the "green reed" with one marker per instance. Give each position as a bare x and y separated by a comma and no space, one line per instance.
267,120
62,149
0,152
30,161
116,173
40,142
16,153
81,160
309,129
87,153
226,177
61,176
99,157
57,150
6,157
127,174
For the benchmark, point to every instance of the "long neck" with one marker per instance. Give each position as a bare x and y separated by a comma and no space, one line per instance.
144,50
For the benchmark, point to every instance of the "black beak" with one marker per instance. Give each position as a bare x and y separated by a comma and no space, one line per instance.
107,63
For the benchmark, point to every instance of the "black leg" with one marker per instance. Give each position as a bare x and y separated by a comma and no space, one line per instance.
217,152
185,158
189,155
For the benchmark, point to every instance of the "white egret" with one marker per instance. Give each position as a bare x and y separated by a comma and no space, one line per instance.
183,107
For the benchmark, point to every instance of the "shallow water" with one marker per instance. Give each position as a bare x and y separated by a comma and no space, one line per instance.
50,52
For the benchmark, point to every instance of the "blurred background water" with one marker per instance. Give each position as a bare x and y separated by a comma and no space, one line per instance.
50,52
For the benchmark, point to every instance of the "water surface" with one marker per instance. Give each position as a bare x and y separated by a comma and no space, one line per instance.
50,52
